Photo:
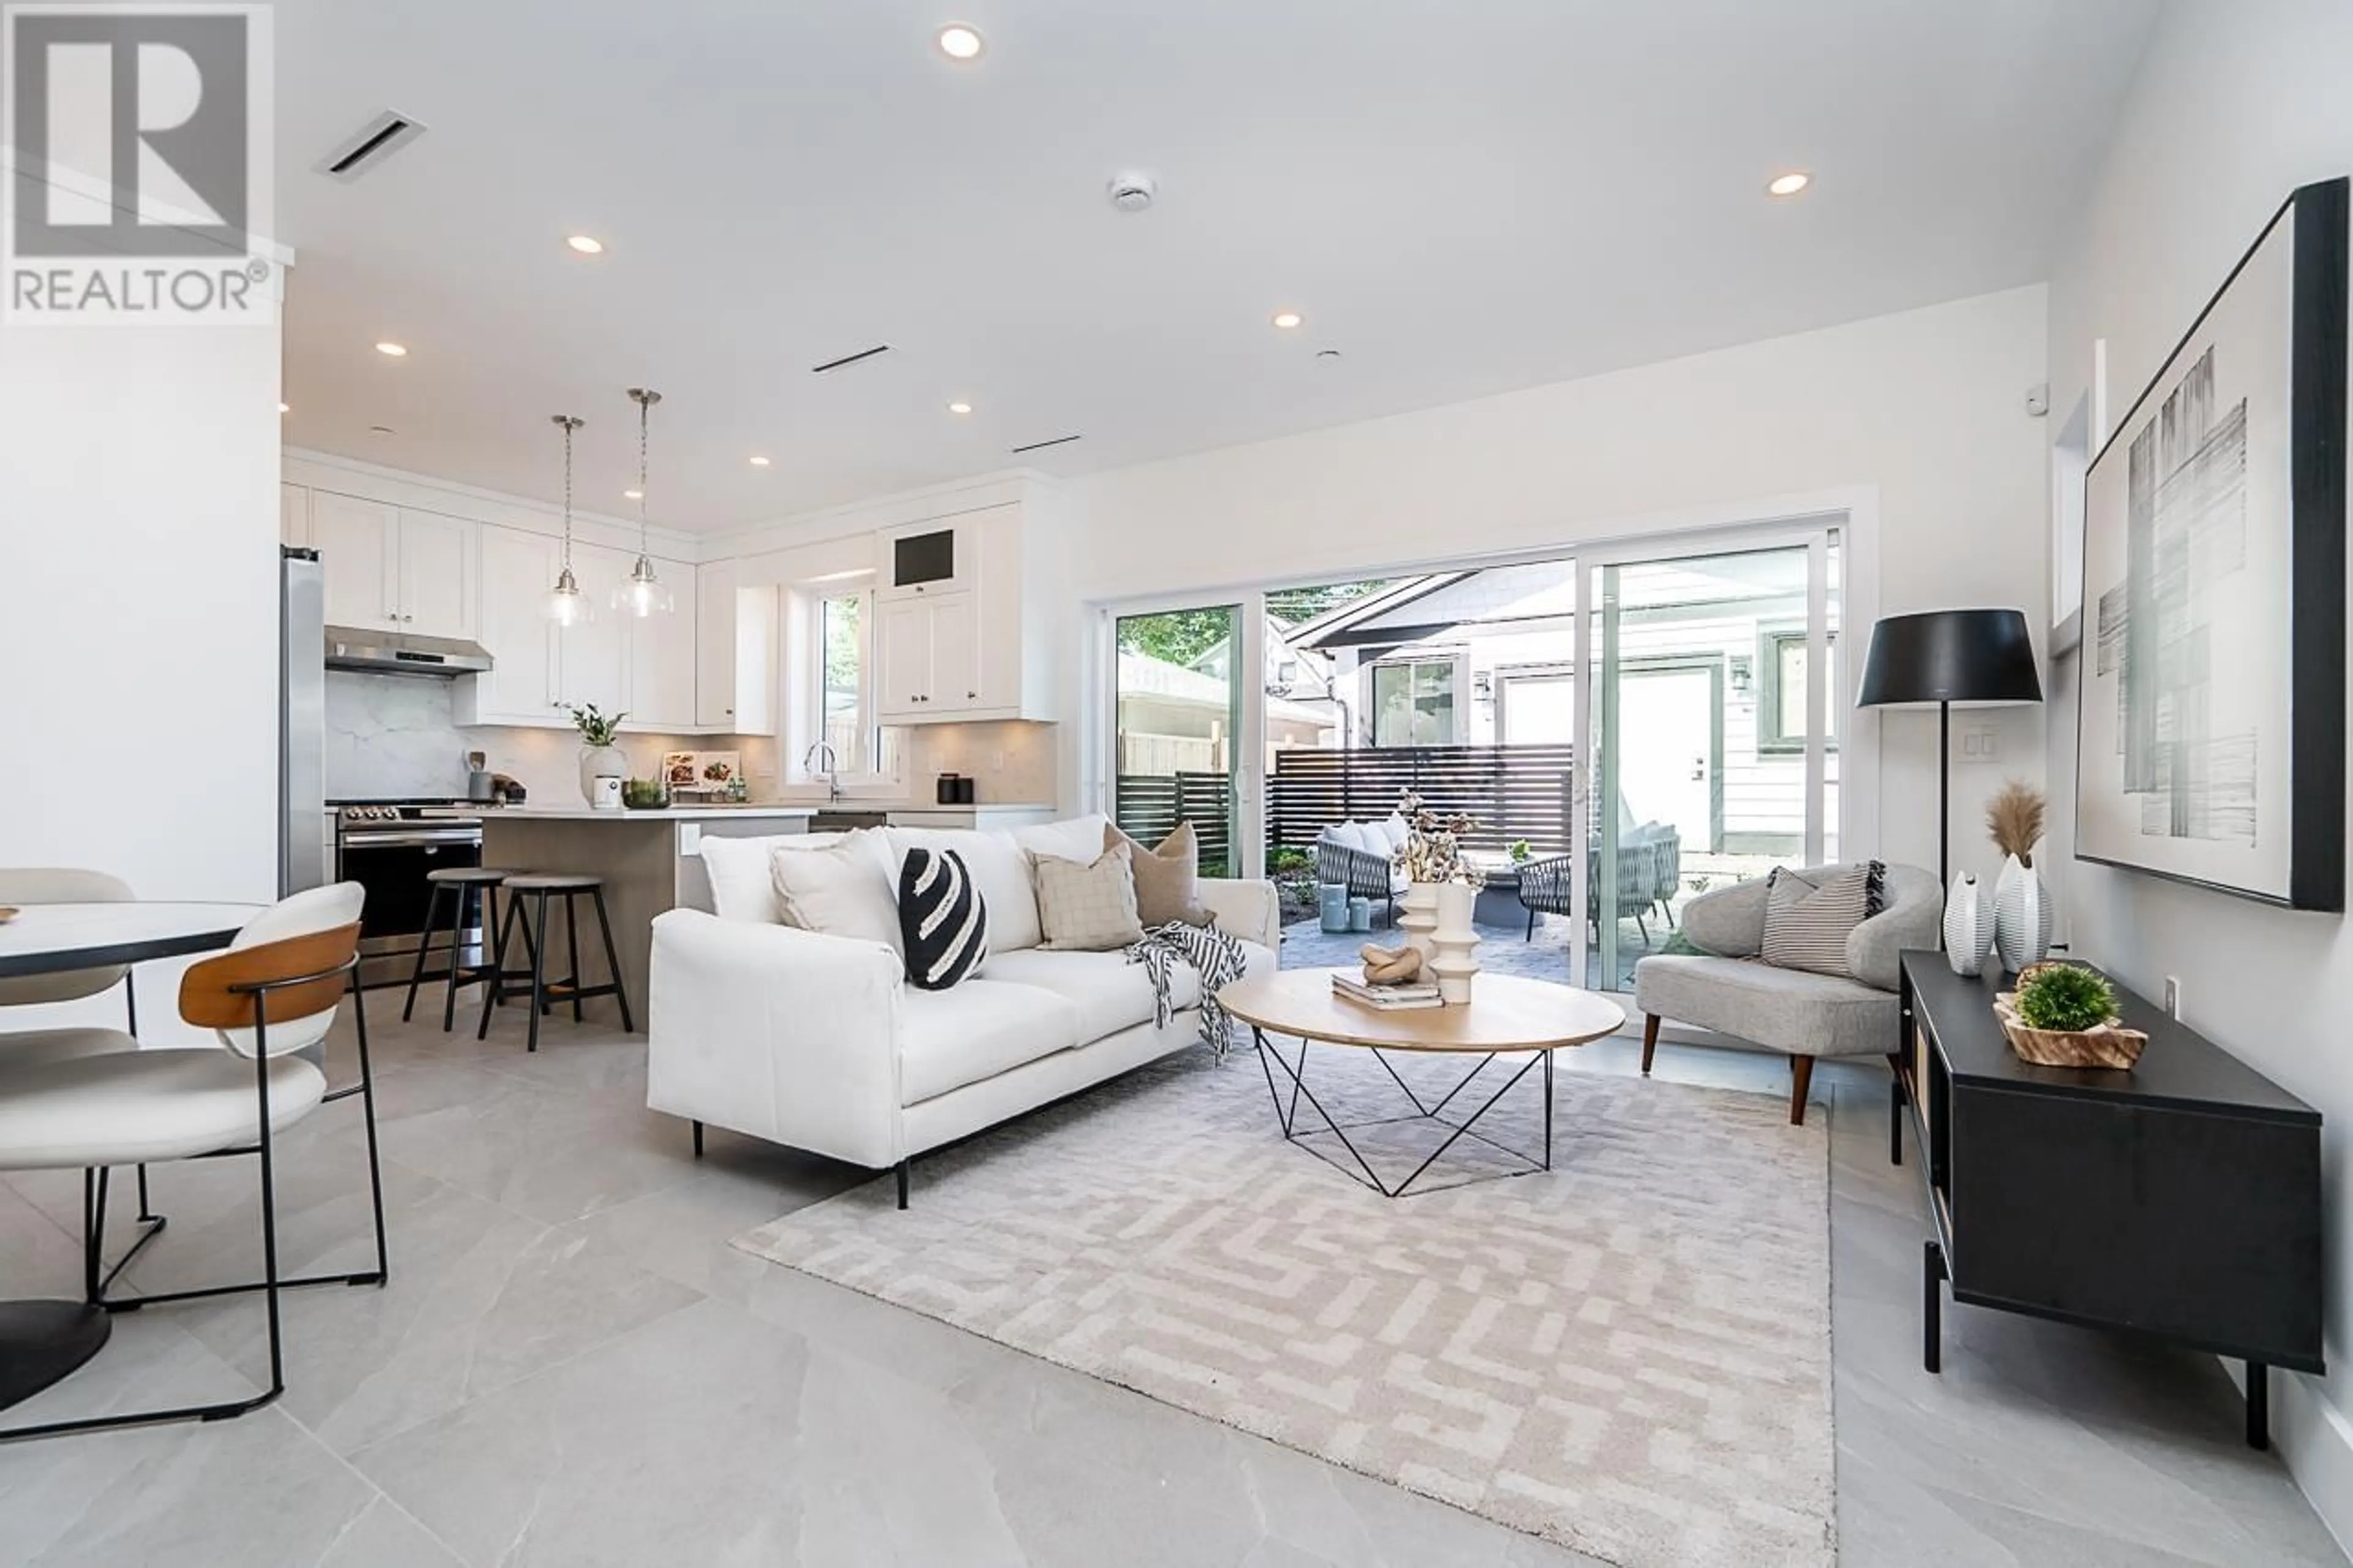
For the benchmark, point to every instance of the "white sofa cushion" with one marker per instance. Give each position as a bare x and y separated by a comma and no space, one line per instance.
743,883
1080,838
983,1027
1107,991
844,889
1000,869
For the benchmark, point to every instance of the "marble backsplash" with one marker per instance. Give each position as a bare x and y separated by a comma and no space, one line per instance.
394,735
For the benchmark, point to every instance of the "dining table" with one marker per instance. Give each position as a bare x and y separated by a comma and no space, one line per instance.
42,1342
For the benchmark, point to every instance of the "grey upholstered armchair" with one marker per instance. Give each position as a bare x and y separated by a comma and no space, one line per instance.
1791,1010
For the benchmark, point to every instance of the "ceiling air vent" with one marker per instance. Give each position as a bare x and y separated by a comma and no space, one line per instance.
1039,446
371,145
849,359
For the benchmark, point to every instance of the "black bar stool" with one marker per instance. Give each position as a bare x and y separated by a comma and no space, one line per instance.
469,888
536,889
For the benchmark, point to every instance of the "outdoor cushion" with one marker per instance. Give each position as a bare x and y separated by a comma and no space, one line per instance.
1790,1010
951,1038
1393,829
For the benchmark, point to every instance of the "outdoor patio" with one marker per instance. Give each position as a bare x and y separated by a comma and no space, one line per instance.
1504,948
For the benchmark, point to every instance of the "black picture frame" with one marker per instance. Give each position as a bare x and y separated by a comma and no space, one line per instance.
2316,494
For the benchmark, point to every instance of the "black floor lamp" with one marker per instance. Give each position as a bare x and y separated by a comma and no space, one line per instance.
1945,656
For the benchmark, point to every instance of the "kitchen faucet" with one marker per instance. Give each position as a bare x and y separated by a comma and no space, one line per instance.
832,768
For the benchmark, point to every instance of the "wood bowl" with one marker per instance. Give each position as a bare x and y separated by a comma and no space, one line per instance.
7,912
2110,1045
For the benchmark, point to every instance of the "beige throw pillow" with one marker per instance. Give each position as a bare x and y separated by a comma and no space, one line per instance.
841,890
1088,907
1168,879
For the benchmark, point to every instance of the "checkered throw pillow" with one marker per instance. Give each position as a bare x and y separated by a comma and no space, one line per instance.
1088,907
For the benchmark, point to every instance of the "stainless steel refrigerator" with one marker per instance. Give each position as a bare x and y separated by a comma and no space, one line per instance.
306,834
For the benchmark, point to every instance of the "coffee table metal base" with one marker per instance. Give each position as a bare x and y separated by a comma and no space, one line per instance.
1292,1089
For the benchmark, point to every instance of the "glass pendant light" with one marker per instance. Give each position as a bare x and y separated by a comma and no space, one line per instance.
567,604
642,593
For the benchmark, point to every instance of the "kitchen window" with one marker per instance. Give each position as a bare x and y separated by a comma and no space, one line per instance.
841,697
1413,702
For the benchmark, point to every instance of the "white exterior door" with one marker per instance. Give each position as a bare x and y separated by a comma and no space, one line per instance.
1667,744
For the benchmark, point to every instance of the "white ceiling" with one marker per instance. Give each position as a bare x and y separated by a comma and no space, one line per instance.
1463,198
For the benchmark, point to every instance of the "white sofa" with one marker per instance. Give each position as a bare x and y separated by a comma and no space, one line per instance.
819,1043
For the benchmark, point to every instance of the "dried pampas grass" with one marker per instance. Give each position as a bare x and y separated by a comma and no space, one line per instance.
2015,819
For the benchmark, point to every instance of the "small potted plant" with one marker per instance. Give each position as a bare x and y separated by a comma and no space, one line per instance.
599,757
1520,852
2063,1014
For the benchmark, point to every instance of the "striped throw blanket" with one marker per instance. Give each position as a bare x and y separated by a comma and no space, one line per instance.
1216,957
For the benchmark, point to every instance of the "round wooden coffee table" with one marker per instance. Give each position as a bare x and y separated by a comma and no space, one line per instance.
1507,1015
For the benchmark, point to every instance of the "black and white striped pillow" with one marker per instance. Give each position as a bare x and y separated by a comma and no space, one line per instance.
1807,922
943,918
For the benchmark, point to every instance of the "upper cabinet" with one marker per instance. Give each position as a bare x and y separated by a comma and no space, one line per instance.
294,516
518,569
389,568
928,558
735,653
959,634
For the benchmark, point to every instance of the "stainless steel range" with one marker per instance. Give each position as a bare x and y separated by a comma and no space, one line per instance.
389,846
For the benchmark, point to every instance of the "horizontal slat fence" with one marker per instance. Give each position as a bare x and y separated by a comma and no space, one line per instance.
1513,791
1150,807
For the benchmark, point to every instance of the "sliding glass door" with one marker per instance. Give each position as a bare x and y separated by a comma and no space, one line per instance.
1179,713
1713,753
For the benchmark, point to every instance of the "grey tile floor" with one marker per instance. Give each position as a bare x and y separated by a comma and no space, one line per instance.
571,1367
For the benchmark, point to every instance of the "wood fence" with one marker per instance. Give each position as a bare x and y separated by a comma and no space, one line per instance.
1150,805
1513,791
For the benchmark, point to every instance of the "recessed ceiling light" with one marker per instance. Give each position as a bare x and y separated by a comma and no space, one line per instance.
585,244
759,462
961,42
1788,185
633,495
959,407
1287,319
285,408
394,350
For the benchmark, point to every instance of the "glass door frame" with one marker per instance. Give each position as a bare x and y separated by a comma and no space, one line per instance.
1824,656
1247,745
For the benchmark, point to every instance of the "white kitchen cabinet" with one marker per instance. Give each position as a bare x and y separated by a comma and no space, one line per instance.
663,659
930,656
517,569
391,569
358,543
735,653
439,594
294,516
592,656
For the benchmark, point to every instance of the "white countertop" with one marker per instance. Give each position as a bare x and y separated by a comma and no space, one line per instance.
593,813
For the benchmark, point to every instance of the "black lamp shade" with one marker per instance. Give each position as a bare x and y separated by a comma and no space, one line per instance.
1950,655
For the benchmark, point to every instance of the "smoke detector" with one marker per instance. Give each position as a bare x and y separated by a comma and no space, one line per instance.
1133,193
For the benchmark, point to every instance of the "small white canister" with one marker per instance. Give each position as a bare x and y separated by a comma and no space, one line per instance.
607,794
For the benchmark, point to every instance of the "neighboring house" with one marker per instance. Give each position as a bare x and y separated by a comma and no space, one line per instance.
1176,720
1712,716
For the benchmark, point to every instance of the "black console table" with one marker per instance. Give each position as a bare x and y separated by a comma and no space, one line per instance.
2179,1200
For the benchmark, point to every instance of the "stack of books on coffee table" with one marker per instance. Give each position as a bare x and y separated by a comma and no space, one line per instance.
1390,998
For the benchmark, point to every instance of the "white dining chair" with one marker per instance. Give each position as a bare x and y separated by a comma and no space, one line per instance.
22,885
272,994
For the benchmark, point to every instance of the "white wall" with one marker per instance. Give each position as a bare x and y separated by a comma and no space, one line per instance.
139,643
1921,414
2238,102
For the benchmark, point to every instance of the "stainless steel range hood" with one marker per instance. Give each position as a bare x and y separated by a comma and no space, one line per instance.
404,653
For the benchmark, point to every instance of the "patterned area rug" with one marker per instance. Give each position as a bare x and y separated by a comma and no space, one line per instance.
1629,1355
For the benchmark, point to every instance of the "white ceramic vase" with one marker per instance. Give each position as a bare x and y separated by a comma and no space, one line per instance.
1418,918
1968,925
1455,941
609,761
2022,917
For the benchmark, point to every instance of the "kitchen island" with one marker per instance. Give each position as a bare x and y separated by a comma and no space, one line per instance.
651,862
